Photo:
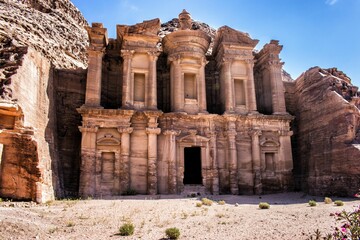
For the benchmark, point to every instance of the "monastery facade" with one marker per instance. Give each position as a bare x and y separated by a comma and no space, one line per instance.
163,116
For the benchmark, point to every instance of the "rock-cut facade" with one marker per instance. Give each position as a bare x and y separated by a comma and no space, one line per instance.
168,116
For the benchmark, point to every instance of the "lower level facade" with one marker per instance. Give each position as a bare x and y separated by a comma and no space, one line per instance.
162,153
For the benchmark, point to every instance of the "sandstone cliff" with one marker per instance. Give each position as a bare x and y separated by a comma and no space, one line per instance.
326,132
38,38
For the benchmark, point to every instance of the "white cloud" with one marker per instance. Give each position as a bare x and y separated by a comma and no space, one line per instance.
130,6
331,2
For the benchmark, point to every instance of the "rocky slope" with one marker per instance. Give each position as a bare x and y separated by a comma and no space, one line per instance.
54,28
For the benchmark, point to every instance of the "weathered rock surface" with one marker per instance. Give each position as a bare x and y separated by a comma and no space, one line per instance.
326,140
35,38
53,28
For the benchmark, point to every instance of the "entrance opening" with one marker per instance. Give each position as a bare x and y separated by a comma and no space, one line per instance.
192,165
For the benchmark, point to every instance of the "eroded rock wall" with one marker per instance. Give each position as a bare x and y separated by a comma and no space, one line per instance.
70,94
325,147
37,37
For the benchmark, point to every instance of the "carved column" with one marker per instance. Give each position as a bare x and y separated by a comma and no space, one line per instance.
231,134
117,172
152,96
124,157
93,80
215,171
255,151
177,103
277,88
127,90
202,86
152,160
251,87
171,138
87,183
228,93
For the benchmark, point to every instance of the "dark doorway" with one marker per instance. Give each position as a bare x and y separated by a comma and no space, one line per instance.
192,165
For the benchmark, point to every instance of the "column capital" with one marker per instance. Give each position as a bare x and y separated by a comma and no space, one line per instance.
127,53
96,51
175,59
153,55
250,62
255,132
231,134
203,61
172,132
92,129
156,131
128,130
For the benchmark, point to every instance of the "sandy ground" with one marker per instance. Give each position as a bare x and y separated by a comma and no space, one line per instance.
289,217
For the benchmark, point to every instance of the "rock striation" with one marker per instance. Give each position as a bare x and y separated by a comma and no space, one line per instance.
39,42
326,132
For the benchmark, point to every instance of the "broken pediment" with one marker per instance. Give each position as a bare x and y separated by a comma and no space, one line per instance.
108,140
149,27
230,36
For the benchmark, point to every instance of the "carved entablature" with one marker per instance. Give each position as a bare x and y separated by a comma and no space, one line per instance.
108,140
97,37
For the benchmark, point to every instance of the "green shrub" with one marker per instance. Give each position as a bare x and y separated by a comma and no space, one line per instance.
199,204
339,203
264,205
312,203
221,202
126,229
129,192
327,200
206,201
172,233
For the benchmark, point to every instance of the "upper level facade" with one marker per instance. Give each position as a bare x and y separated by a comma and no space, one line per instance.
139,70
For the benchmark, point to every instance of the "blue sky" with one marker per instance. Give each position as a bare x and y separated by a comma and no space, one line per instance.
323,33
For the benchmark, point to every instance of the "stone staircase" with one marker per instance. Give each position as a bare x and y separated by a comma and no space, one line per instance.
193,191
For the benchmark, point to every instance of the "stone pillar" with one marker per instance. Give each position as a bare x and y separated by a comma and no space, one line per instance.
152,96
285,158
124,157
215,171
228,92
255,151
93,80
127,100
277,88
202,87
251,95
232,162
177,103
88,161
231,134
171,138
152,160
117,172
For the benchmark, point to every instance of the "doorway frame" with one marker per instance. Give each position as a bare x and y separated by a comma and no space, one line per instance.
193,140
